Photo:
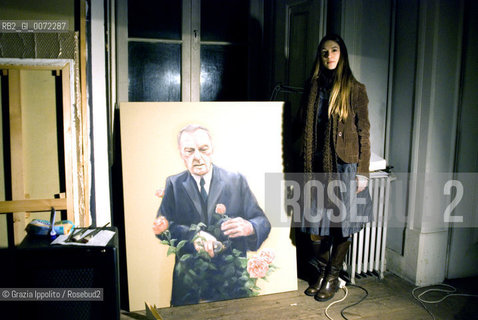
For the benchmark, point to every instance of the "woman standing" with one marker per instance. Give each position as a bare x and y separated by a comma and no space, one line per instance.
336,143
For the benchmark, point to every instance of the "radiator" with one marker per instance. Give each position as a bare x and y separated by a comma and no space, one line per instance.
366,256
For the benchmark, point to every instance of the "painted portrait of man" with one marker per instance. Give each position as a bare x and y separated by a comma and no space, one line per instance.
211,219
189,241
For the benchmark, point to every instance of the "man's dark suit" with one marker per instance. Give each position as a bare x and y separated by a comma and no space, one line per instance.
182,206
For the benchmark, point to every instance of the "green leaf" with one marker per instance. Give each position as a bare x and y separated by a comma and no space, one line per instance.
236,252
249,284
166,242
188,281
179,268
243,262
203,255
192,273
171,250
202,266
229,272
185,257
244,278
172,242
238,264
212,266
197,227
239,272
181,244
229,258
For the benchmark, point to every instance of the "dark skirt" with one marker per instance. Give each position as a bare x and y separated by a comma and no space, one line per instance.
334,207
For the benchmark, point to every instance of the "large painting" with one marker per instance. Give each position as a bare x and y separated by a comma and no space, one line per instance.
194,177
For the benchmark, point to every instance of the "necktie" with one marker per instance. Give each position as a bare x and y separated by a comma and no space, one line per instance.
203,190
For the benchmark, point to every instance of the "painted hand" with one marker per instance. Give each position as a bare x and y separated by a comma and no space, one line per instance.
237,227
205,242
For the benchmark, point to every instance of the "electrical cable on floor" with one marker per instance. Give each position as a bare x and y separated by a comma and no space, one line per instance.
345,296
450,293
355,303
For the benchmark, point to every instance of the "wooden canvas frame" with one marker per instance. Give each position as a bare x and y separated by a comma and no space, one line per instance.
244,142
70,200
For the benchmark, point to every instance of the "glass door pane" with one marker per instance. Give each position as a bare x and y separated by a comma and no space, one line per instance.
223,73
154,50
224,50
154,71
159,19
224,20
196,50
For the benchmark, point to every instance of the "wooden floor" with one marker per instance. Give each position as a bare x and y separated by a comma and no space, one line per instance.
388,299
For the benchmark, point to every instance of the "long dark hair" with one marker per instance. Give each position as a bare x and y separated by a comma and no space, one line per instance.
343,79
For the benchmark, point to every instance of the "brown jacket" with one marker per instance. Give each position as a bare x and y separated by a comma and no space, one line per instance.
352,136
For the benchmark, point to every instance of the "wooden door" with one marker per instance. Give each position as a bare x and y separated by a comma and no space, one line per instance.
303,26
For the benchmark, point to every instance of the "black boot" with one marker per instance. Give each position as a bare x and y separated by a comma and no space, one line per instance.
330,285
321,250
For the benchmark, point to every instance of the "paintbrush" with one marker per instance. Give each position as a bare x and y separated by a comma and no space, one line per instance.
90,235
75,234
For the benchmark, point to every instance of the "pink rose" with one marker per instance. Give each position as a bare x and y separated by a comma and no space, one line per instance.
159,193
257,267
220,208
160,225
268,255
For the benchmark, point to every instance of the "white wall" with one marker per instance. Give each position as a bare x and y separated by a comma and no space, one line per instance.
435,105
409,57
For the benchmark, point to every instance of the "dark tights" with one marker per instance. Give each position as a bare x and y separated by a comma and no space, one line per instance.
335,238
